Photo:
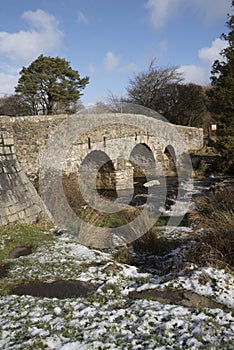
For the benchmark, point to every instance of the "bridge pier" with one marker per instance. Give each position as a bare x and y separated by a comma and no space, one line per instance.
124,174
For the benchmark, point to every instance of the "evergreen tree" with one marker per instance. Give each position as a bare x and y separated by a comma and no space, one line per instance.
222,82
50,84
222,99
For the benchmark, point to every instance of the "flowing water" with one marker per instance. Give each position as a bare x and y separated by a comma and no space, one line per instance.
165,193
169,200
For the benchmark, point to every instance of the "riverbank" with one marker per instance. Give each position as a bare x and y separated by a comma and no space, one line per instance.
65,296
111,316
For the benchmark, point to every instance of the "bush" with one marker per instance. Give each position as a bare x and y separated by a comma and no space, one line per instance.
214,216
152,243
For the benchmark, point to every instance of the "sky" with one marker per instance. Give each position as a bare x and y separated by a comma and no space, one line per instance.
111,41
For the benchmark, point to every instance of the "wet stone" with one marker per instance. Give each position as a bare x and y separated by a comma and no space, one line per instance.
57,289
177,297
19,251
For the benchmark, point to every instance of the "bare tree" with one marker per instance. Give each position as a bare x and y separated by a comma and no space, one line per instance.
156,88
14,105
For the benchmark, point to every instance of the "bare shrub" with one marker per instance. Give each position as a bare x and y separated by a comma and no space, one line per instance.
214,216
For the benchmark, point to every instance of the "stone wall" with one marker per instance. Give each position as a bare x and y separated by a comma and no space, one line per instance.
19,201
30,136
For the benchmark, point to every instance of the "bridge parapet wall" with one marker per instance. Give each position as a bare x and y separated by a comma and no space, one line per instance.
193,137
30,136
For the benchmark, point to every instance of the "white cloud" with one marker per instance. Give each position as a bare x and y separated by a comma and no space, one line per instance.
42,36
200,74
7,83
111,61
22,47
162,11
210,54
81,18
195,74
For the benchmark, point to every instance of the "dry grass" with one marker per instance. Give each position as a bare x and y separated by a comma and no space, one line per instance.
214,215
90,234
91,215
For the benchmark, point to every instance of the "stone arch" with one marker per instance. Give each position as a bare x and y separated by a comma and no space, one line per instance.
98,162
143,163
143,160
97,166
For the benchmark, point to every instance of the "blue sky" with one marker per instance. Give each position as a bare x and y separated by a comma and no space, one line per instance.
111,40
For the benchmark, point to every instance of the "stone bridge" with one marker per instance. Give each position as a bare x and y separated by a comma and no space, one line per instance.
116,137
117,148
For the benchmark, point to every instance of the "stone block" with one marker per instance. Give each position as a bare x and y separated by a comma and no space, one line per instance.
31,212
8,141
22,215
10,156
7,149
13,209
12,149
13,218
3,221
7,211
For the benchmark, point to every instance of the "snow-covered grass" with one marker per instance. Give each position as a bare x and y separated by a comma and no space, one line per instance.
109,319
217,284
